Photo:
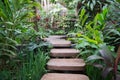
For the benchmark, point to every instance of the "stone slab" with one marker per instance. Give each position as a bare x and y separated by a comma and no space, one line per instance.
60,76
64,52
66,64
58,36
60,43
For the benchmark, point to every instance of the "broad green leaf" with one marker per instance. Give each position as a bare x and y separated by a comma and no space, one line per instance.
101,19
86,52
82,44
96,19
84,20
105,12
79,34
90,40
83,11
94,57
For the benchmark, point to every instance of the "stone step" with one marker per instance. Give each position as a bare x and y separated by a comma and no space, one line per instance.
67,52
59,76
60,43
66,64
58,36
51,39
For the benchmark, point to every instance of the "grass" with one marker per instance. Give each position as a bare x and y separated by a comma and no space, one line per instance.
29,67
34,68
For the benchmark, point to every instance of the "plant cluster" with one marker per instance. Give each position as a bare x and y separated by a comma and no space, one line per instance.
90,35
21,46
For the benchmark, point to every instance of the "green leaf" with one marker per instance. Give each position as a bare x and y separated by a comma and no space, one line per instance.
100,19
84,20
2,14
79,34
9,23
105,12
96,20
83,11
98,36
9,53
88,4
94,2
94,57
11,40
36,4
86,52
90,40
82,44
91,6
8,45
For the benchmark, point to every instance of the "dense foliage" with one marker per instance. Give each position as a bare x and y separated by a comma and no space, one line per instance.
93,25
96,35
20,44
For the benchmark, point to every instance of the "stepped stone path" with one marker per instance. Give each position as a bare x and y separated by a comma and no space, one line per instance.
63,58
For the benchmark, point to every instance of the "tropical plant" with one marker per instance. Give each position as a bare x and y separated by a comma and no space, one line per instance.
83,16
112,31
16,36
33,68
26,67
92,6
90,34
15,24
89,38
114,7
105,60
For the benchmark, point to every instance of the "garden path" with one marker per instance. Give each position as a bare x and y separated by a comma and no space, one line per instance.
64,64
